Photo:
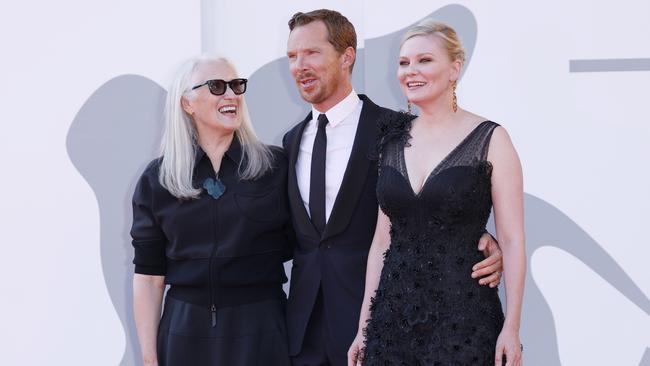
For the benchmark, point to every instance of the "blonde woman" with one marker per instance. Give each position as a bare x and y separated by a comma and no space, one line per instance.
440,174
209,220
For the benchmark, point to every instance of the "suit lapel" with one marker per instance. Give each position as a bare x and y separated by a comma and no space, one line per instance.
295,199
356,171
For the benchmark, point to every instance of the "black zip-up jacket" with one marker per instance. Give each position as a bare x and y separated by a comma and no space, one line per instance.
217,253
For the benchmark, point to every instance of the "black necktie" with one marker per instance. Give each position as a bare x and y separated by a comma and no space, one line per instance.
317,180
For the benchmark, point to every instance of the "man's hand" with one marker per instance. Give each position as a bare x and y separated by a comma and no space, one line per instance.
489,269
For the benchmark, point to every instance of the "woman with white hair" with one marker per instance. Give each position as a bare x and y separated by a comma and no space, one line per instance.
211,220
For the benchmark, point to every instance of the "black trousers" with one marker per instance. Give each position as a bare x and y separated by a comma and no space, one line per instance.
316,347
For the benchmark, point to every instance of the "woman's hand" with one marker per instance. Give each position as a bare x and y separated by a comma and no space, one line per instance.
508,345
355,352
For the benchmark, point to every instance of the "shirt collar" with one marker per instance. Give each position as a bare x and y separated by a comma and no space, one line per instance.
340,111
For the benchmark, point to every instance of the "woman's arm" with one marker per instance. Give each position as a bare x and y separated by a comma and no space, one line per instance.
380,243
508,201
147,302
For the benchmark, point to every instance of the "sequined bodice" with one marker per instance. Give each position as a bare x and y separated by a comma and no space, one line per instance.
454,201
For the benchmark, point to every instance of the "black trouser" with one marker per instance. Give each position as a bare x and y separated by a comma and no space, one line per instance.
316,347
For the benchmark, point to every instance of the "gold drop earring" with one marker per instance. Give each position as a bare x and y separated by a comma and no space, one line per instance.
409,107
454,103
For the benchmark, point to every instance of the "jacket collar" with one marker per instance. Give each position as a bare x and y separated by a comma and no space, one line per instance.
234,151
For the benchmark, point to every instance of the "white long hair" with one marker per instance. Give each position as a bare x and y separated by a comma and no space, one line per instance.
180,143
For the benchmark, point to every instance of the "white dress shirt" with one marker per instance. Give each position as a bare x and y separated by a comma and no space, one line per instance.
341,130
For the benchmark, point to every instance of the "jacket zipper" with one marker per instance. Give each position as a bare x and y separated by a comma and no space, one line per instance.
213,307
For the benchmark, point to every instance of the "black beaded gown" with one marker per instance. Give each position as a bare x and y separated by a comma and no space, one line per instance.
427,309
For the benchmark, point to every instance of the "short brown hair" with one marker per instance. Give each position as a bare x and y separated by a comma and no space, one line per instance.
340,32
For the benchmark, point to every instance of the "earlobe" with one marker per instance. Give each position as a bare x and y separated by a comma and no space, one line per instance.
346,60
455,74
348,57
185,104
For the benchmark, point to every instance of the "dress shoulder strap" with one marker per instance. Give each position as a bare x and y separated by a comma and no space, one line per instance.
478,143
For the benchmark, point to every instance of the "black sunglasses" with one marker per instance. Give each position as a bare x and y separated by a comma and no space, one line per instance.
218,86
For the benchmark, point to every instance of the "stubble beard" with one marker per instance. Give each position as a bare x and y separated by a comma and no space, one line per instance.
321,92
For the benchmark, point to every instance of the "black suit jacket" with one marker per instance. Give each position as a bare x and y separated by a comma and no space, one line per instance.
335,261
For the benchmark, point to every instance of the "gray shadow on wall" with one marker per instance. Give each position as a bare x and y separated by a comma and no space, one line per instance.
118,129
645,361
110,141
545,224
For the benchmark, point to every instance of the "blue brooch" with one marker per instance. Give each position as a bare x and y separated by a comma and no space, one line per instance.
214,187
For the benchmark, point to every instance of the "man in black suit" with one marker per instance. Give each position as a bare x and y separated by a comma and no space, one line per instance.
332,177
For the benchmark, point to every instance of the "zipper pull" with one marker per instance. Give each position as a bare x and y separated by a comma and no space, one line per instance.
213,311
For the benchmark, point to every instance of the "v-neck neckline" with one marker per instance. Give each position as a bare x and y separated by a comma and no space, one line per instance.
434,170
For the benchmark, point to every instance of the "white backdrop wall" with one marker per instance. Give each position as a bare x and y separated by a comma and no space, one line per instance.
81,89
